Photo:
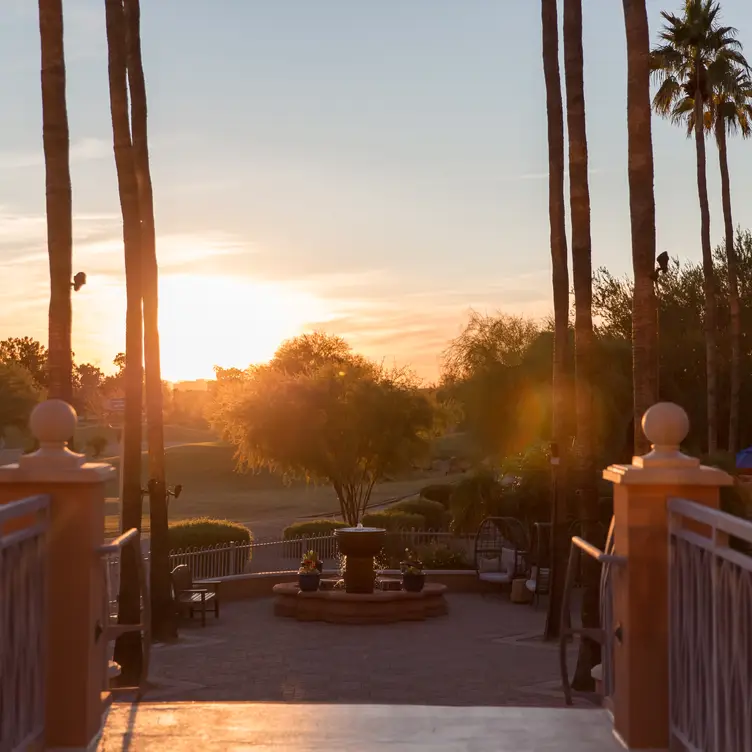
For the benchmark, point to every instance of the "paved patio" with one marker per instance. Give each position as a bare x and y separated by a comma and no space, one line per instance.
484,653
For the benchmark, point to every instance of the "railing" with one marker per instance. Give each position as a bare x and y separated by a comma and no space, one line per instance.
23,596
603,635
710,617
227,559
213,561
112,629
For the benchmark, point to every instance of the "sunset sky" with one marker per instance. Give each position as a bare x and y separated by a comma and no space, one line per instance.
373,169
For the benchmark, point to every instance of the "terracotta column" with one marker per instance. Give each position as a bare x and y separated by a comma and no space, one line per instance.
75,650
641,608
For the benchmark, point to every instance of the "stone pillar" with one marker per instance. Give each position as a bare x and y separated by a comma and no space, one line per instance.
641,608
75,650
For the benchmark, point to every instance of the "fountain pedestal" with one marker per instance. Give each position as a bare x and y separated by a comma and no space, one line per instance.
360,545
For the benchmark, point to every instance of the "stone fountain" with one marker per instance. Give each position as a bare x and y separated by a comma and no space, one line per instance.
360,545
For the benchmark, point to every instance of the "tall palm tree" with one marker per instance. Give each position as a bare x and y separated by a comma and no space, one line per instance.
164,624
56,142
582,273
731,108
560,282
642,216
695,49
128,646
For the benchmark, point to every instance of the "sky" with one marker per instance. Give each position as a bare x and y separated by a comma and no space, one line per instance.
371,169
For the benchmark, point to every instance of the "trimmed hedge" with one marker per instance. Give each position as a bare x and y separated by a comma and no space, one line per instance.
312,527
434,513
204,531
441,492
394,520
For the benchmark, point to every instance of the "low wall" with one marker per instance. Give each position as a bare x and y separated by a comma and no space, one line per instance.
242,586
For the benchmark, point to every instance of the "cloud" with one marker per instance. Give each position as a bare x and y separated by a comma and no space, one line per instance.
82,150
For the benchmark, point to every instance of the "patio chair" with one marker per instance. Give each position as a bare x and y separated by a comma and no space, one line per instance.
201,596
500,550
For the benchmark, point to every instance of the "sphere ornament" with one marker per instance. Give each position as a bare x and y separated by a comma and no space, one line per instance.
665,425
53,422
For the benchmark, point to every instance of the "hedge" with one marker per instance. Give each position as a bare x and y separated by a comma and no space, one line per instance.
205,531
394,520
312,527
441,492
441,556
434,513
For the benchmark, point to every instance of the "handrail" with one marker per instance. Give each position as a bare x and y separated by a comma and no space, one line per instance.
131,538
22,507
601,634
724,522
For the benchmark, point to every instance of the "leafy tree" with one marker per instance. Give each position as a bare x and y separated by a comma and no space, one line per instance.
29,353
337,419
19,392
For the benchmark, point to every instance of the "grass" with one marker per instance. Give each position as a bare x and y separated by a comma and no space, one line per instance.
212,488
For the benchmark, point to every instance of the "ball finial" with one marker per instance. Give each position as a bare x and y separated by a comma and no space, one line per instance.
665,425
53,422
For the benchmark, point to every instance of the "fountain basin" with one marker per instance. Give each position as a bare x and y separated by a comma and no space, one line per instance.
360,541
380,607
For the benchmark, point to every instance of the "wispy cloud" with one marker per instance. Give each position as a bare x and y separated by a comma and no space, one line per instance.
83,150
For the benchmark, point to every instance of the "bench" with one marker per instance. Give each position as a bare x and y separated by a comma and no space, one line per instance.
190,598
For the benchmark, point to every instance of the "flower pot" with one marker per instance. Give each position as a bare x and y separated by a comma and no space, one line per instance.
308,582
413,583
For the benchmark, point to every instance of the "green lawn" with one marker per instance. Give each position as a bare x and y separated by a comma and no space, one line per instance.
212,487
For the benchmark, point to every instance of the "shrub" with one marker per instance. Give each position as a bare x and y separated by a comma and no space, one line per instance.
474,498
312,527
97,444
434,513
204,531
394,520
441,492
442,556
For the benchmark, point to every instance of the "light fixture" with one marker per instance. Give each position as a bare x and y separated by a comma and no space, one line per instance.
79,280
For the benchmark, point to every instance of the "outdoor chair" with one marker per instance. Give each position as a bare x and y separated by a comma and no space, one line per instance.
190,597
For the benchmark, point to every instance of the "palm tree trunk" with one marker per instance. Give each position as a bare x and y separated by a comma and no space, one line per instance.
734,305
560,282
164,622
642,217
59,202
579,196
707,271
128,647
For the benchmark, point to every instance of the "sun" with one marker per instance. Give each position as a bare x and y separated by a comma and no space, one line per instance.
211,320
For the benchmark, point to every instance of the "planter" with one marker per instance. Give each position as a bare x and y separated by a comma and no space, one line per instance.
413,583
309,582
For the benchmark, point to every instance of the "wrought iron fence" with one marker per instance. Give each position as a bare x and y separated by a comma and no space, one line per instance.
710,597
23,595
228,559
604,635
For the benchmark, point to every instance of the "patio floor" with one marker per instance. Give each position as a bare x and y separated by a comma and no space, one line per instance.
486,652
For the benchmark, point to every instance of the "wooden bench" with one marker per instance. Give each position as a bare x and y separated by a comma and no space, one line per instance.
189,598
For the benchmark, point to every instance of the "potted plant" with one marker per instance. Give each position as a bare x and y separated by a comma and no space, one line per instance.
309,573
413,577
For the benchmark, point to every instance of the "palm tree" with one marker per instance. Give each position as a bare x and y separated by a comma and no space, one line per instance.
731,108
560,282
164,624
128,646
59,203
696,50
642,216
582,273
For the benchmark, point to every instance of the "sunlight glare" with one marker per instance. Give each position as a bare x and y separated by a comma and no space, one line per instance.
209,320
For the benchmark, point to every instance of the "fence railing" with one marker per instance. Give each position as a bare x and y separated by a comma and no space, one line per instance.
710,613
23,596
603,635
114,625
227,559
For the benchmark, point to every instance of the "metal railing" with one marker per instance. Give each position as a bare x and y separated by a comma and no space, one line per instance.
603,635
23,637
112,630
228,559
710,618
